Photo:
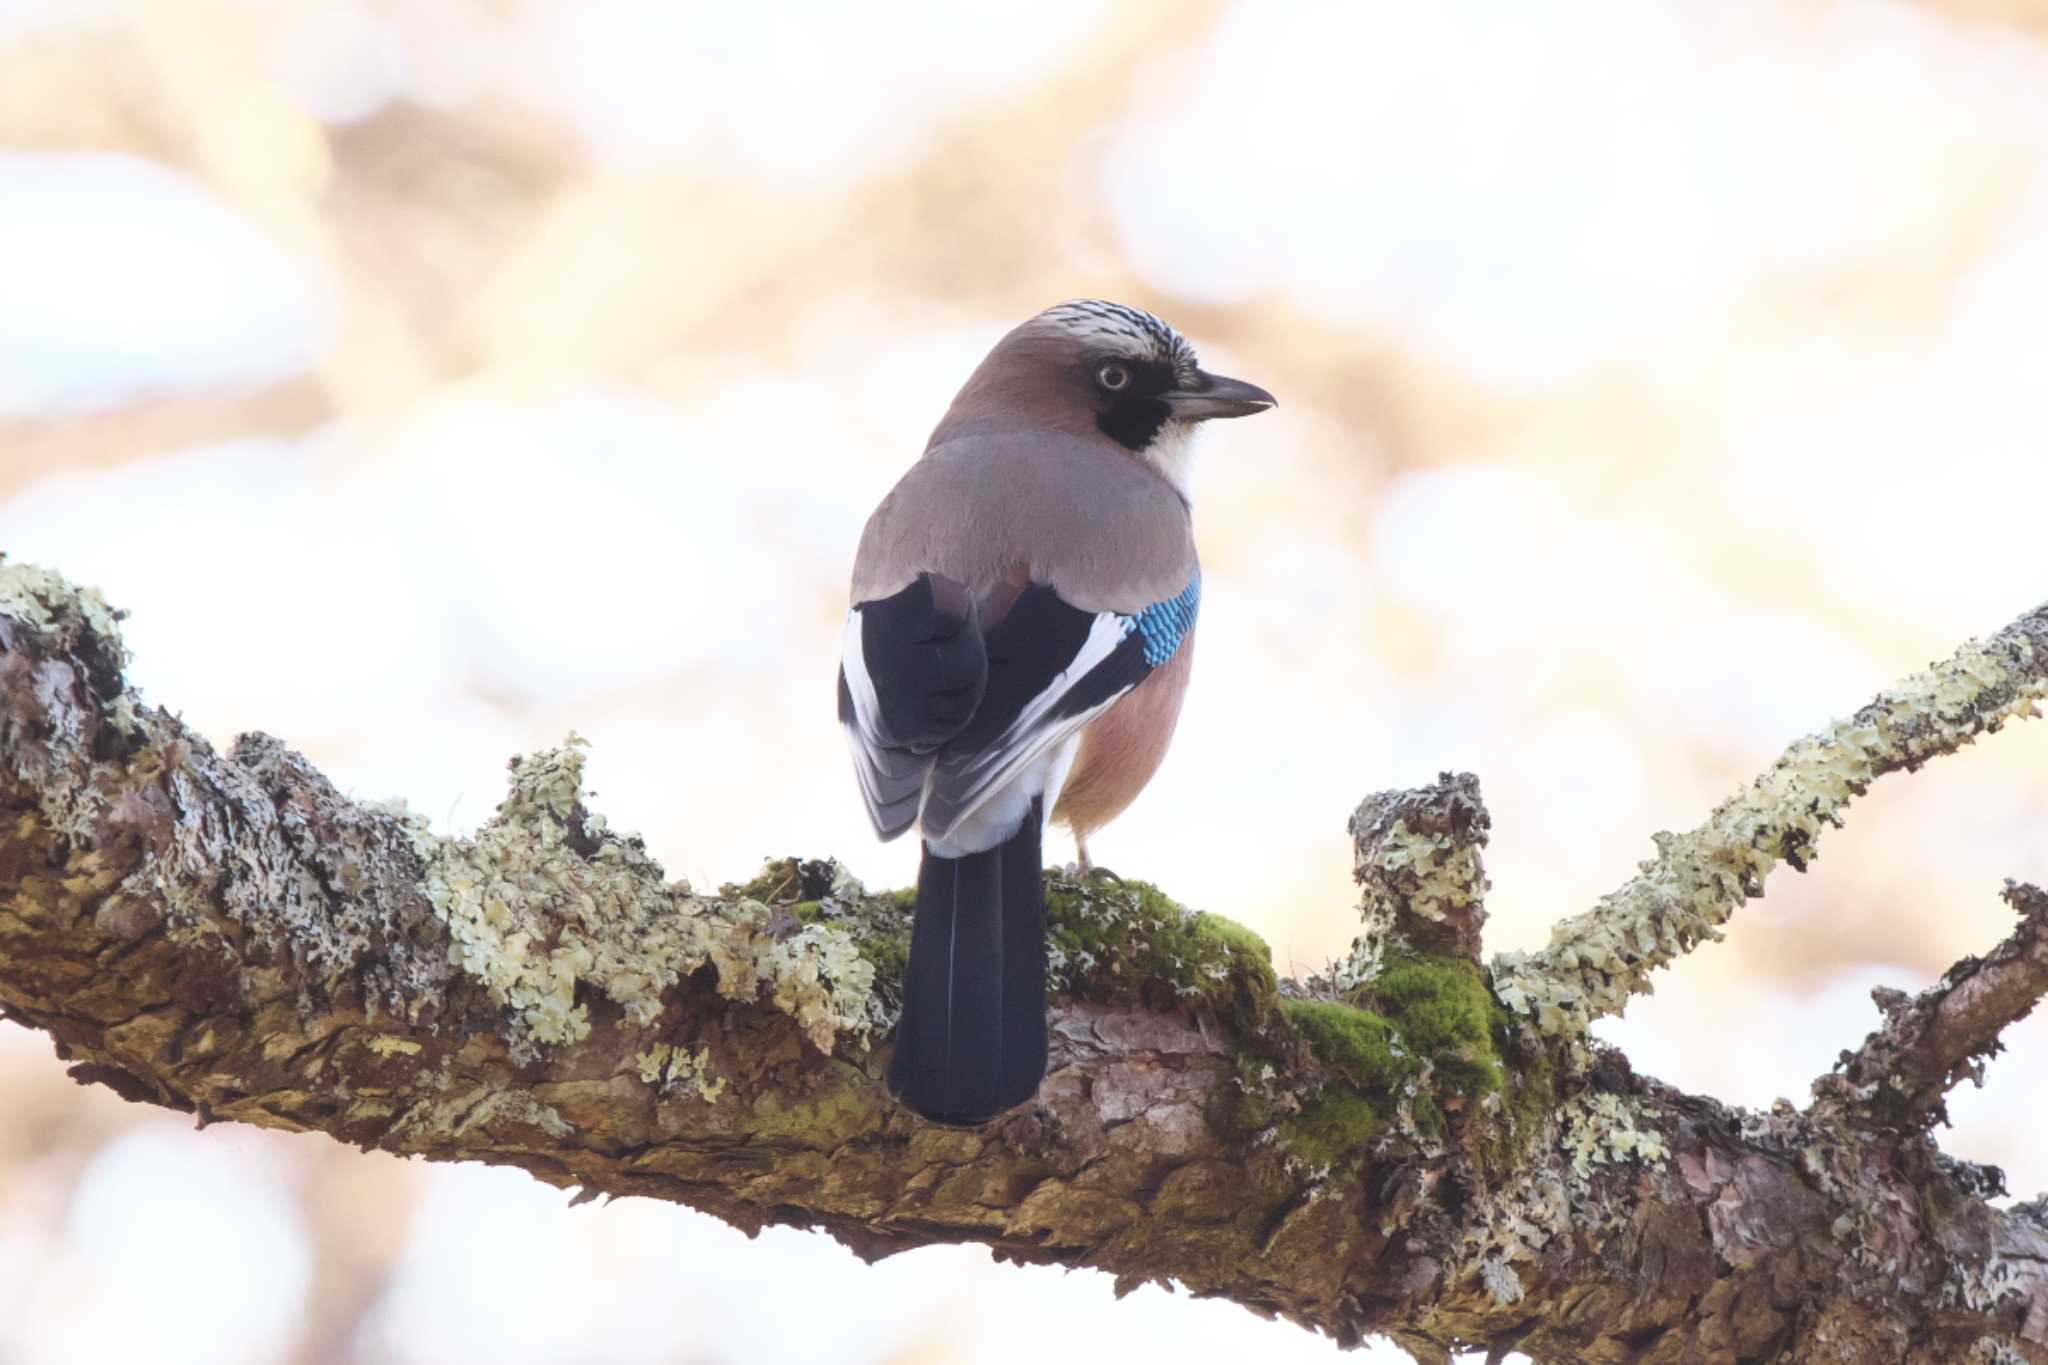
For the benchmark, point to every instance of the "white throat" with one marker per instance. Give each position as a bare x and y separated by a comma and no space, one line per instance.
1172,453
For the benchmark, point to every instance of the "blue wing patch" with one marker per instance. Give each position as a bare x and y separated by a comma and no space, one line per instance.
1163,625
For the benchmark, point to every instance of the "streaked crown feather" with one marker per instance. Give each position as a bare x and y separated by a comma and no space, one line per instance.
1133,331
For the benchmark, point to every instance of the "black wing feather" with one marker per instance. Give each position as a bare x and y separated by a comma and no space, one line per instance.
1052,666
951,713
919,669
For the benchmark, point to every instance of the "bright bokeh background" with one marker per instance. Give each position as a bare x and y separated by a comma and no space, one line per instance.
432,377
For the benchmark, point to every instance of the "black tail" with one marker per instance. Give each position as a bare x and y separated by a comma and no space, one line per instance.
972,1039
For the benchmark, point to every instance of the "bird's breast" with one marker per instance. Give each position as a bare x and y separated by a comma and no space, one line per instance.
1124,746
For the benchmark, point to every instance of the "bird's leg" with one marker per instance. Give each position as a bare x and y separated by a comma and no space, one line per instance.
1087,864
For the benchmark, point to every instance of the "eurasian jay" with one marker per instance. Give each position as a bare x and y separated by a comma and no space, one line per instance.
1022,626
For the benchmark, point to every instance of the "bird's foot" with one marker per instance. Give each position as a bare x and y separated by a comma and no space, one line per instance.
1085,868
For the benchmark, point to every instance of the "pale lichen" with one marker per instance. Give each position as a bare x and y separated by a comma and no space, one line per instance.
391,1045
544,902
1598,1129
481,1107
680,1071
1981,1286
1416,855
1442,874
819,978
40,598
1598,959
46,741
1437,874
1519,1219
544,906
1502,1284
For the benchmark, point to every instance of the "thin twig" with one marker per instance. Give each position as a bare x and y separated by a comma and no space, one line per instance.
1932,1041
1598,959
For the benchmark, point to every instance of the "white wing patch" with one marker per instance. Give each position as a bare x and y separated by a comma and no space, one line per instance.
981,776
891,780
865,704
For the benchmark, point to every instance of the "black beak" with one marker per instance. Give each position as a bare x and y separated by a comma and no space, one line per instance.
1211,395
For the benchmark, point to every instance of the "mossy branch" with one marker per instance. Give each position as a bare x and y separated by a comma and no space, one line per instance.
1385,1150
1682,897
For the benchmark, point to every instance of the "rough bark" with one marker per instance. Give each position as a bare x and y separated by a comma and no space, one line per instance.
1412,1146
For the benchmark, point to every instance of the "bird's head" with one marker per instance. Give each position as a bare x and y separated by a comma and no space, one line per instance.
1089,366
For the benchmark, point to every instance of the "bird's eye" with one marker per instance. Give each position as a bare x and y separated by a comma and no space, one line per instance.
1113,377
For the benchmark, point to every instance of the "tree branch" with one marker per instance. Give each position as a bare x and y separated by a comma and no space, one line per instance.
1932,1041
1389,1152
1598,959
1417,856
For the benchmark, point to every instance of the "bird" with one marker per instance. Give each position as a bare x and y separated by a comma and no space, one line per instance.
1018,642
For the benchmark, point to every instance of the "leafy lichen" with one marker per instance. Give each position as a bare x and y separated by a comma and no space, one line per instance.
391,1045
1598,1129
680,1071
1436,873
805,894
1503,1285
41,599
544,903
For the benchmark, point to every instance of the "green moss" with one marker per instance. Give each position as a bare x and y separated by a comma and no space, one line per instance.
1429,1118
1226,942
1526,1105
1444,1012
1123,940
1425,1019
1369,1064
1338,1125
1248,1105
1108,940
825,1119
1360,1044
888,947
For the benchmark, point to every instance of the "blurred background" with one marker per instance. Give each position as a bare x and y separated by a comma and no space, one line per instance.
432,377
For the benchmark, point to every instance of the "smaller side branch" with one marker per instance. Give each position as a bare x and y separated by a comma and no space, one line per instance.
1932,1041
1416,857
1598,959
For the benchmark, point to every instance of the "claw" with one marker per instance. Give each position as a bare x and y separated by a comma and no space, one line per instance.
1086,867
